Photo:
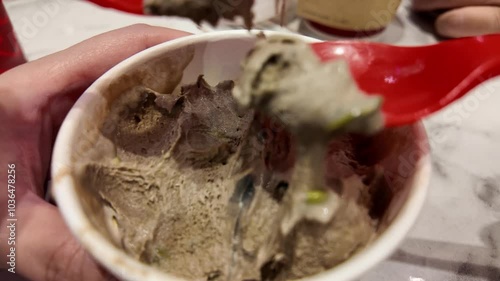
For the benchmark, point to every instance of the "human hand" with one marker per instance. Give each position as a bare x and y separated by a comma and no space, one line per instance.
463,17
34,99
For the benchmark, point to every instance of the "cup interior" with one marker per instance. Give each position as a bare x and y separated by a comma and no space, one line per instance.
401,152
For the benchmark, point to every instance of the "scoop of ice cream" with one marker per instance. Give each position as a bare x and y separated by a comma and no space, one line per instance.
286,79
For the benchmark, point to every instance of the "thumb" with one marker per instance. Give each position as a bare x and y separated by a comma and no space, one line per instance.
469,21
46,250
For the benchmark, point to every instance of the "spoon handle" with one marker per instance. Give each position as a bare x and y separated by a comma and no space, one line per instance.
472,61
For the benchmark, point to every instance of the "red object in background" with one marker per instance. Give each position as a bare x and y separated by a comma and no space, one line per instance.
10,52
130,6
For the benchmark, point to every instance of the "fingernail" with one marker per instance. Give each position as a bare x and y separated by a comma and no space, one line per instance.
451,24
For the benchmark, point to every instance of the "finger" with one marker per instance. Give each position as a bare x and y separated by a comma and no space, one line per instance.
469,21
428,5
45,248
74,69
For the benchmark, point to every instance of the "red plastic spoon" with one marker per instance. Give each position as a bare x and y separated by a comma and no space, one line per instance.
414,81
417,81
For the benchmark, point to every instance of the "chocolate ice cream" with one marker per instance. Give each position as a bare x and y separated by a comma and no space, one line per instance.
316,101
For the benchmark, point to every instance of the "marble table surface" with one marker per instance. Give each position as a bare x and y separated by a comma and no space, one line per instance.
457,236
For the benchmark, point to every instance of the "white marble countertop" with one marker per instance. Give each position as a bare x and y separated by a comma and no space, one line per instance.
457,236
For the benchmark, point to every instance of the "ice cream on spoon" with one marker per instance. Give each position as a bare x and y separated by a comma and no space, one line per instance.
285,79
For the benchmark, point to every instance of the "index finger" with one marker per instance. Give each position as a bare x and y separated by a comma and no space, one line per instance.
428,5
78,66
